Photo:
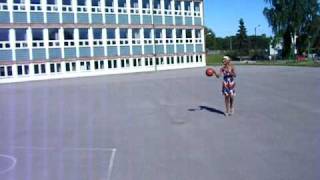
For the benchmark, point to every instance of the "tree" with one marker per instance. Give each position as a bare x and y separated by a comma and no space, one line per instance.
242,38
210,38
290,19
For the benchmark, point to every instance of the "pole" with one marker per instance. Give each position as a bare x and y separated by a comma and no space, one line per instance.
255,41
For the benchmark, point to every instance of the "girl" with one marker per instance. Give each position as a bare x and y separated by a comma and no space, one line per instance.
228,84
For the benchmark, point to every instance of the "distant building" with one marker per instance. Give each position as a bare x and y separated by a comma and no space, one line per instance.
46,39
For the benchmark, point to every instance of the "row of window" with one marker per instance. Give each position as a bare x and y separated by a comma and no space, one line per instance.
168,4
69,35
81,66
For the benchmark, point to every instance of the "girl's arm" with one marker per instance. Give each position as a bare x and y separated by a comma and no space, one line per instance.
233,71
218,74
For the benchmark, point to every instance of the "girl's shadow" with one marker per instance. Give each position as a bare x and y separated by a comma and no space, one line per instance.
210,109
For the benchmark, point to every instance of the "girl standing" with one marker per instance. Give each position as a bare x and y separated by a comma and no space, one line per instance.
228,73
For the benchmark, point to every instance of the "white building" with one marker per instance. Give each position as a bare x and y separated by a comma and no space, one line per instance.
47,39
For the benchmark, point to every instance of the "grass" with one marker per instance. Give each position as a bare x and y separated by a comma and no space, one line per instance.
217,60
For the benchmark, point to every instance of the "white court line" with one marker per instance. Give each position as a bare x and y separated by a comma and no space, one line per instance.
111,161
68,148
14,162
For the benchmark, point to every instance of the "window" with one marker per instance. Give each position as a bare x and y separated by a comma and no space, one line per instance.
146,4
66,2
197,6
96,64
168,60
88,65
51,2
122,3
23,70
97,33
123,33
58,67
70,68
4,34
53,34
156,4
169,33
122,63
101,64
177,5
3,1
111,33
18,1
43,68
187,6
39,68
134,4
83,33
95,2
137,62
189,33
19,70
147,33
167,4
9,70
109,3
26,69
36,69
179,33
81,2
109,64
37,34
35,1
198,33
135,33
21,34
52,68
114,63
68,34
55,67
2,71
158,33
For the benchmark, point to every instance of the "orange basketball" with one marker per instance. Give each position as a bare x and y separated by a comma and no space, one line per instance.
210,72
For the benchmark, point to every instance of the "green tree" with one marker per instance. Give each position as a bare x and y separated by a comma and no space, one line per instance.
290,19
210,38
242,38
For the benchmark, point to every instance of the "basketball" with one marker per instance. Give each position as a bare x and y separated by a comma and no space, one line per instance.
210,72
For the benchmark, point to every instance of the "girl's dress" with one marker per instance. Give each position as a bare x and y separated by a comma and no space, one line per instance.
228,84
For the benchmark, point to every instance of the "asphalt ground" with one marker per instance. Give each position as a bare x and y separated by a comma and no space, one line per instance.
164,125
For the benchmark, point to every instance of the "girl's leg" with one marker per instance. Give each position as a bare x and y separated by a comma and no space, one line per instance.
231,104
227,103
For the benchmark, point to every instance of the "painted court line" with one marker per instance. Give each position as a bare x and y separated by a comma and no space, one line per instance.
111,161
14,162
68,148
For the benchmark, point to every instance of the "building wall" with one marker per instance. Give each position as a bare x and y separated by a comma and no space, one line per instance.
44,41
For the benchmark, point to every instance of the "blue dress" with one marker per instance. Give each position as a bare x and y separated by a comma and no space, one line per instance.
228,84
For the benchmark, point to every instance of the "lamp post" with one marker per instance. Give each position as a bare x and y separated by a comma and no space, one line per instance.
255,41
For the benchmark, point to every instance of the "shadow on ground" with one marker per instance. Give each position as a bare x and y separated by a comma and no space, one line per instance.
210,109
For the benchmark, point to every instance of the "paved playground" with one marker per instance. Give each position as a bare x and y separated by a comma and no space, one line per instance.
164,125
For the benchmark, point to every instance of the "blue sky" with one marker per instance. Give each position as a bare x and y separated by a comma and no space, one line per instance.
222,16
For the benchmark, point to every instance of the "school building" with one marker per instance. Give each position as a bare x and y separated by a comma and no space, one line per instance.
48,39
